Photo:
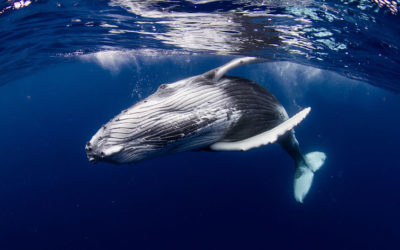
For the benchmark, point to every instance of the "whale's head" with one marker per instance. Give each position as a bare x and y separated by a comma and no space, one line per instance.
104,146
128,138
115,144
150,128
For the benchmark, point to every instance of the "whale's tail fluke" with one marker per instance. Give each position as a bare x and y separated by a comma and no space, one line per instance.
304,173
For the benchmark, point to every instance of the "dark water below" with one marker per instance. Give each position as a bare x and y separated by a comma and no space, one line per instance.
62,78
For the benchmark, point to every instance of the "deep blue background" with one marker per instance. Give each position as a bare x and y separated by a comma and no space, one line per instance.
51,197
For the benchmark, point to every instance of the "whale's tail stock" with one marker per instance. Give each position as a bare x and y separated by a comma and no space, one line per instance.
304,173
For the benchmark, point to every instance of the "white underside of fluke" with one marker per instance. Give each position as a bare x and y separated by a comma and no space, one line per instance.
302,182
315,160
264,138
303,177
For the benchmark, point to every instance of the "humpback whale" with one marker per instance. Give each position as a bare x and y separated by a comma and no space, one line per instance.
212,111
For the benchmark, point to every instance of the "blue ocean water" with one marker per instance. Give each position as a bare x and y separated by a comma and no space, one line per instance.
67,67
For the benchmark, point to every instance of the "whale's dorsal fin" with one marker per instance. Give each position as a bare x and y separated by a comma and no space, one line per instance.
264,138
217,73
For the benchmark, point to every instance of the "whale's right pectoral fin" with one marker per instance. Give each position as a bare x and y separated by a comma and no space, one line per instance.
219,72
264,138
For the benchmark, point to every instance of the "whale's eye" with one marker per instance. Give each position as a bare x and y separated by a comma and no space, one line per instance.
163,86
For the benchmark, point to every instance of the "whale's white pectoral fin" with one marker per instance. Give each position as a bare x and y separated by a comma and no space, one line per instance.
219,72
264,138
